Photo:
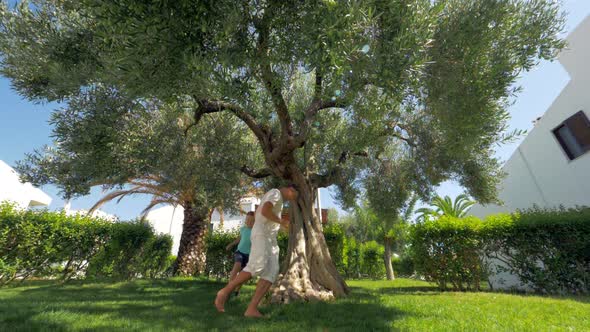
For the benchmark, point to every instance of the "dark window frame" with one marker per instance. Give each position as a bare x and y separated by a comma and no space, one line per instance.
564,146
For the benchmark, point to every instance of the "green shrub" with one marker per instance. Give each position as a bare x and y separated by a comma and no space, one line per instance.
547,249
403,266
219,260
353,259
447,251
132,250
372,260
335,239
51,244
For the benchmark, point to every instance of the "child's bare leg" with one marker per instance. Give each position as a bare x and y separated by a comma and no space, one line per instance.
261,288
235,270
223,294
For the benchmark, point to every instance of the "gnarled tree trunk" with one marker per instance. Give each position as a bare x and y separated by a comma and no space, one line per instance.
308,272
387,255
191,257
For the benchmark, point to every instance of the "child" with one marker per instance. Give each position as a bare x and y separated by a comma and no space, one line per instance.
241,255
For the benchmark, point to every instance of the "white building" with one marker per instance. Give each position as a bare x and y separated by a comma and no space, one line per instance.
25,195
551,167
169,219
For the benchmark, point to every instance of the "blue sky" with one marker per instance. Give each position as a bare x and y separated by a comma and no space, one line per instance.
24,125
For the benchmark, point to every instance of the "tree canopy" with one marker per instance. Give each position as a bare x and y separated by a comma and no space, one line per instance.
104,138
434,76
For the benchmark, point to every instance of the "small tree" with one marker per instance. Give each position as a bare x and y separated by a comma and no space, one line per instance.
390,189
141,147
321,84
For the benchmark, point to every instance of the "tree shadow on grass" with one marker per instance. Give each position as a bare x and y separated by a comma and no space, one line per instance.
169,305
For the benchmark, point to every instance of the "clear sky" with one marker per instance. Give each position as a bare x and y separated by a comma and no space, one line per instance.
24,126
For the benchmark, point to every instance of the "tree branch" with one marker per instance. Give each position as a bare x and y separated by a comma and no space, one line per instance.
271,82
328,179
260,174
310,114
208,106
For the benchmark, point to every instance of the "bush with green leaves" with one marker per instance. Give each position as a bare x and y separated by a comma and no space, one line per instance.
219,259
54,245
372,260
403,265
132,250
448,251
549,250
335,239
352,258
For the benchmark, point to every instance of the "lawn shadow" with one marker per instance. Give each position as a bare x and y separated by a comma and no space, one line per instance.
180,305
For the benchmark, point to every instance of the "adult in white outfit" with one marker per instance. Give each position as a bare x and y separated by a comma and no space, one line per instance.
264,255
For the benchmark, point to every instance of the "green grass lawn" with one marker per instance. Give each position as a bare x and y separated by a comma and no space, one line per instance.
180,305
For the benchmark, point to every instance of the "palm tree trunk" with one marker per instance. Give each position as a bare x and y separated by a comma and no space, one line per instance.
191,257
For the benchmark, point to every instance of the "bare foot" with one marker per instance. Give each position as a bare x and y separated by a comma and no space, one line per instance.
220,300
253,313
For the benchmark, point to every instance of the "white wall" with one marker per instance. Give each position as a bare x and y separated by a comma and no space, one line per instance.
25,195
539,172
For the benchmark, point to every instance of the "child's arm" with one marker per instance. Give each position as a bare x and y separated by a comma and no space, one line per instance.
233,243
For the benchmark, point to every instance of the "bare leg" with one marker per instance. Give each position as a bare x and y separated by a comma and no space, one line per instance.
235,270
223,294
261,289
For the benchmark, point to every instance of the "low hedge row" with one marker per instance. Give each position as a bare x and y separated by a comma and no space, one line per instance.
548,250
54,245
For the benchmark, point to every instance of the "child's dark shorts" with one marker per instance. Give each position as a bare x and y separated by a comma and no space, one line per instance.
240,257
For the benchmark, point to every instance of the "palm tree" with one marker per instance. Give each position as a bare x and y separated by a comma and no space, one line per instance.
444,206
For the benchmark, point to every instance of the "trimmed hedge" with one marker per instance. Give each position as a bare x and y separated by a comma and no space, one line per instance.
219,260
372,265
52,245
447,251
548,250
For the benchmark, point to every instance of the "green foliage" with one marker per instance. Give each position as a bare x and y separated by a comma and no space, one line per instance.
444,206
335,239
51,244
403,266
372,260
327,80
353,258
448,251
549,250
132,250
219,259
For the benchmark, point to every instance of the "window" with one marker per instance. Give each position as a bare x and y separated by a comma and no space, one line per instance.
574,135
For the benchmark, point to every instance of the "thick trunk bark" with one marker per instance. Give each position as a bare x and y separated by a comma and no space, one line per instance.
308,272
192,252
387,255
